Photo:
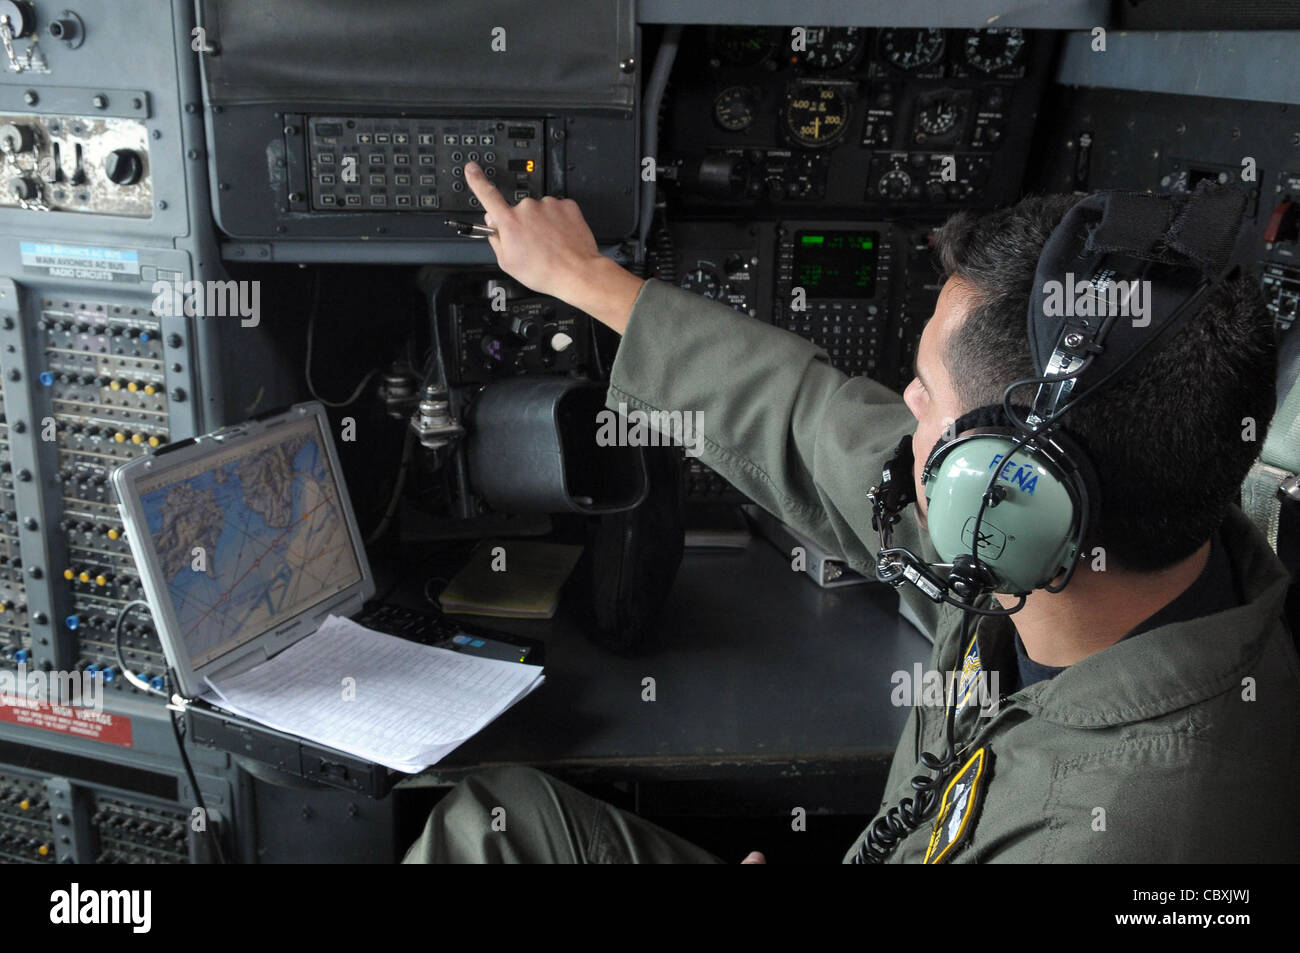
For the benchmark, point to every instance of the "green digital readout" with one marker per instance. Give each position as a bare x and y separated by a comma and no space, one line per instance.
836,264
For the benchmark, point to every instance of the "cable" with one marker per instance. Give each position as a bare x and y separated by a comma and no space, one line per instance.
655,87
213,839
398,485
900,821
131,677
311,328
172,717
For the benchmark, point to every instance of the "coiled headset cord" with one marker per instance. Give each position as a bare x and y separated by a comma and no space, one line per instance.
884,836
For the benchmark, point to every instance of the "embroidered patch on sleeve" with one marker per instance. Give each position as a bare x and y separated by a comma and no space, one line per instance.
959,807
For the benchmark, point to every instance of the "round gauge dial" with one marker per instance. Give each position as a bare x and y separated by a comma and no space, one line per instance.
734,108
830,48
816,114
937,117
745,45
703,281
991,51
911,49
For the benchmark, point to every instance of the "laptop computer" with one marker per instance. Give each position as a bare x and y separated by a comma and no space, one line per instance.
246,541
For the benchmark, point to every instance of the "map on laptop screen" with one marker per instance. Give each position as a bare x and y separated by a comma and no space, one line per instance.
249,537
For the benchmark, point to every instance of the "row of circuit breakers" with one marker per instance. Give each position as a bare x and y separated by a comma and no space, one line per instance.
105,380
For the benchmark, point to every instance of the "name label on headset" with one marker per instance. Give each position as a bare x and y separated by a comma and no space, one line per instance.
1023,475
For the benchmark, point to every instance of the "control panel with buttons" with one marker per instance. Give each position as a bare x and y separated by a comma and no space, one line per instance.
88,164
105,380
418,165
532,335
15,624
928,178
833,287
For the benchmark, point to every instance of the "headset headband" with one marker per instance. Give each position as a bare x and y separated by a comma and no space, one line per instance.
1151,258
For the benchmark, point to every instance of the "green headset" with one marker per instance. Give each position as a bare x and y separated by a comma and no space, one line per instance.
1012,497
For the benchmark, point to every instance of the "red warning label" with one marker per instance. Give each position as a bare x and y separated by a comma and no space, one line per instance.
68,719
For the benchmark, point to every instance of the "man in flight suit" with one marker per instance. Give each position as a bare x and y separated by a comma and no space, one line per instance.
1150,709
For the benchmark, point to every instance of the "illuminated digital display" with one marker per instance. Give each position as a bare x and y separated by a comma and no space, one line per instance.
521,165
836,264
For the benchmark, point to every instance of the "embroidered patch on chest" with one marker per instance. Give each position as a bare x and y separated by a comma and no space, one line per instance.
959,808
970,668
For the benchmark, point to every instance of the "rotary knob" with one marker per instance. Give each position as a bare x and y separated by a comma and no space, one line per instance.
525,327
123,167
24,189
15,138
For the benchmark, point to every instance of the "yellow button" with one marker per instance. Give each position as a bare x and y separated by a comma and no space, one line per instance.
69,574
101,581
154,441
24,804
114,385
133,387
43,850
150,389
113,534
84,577
119,437
136,438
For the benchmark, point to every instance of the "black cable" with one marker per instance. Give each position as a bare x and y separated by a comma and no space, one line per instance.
900,821
208,828
311,332
171,716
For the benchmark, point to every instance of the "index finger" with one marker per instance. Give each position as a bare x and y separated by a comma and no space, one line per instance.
493,201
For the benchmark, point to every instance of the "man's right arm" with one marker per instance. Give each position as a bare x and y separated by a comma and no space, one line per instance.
797,436
791,432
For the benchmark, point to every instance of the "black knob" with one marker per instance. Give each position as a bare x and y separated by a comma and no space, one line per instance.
22,16
123,167
15,138
23,188
525,327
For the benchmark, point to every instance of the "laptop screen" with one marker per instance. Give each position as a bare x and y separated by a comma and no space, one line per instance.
249,537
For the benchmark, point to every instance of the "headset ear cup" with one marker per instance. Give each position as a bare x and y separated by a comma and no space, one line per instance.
1076,454
987,417
1057,455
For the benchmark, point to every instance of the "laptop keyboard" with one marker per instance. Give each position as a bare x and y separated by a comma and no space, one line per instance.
432,628
413,624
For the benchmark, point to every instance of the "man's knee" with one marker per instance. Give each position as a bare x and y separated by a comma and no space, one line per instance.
492,815
475,799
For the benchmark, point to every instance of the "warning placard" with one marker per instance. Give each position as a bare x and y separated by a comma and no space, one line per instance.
68,719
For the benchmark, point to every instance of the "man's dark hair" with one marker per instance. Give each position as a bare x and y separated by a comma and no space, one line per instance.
1167,440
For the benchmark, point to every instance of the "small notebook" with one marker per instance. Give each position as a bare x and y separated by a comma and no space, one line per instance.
379,697
512,579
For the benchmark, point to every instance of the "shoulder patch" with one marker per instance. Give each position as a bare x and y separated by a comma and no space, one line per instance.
959,808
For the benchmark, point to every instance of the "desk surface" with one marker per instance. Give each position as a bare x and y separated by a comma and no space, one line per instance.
758,672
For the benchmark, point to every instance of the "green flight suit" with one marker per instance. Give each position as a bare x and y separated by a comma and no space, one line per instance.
1177,745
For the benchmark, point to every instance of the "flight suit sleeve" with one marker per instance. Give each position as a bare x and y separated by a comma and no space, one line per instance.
797,436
